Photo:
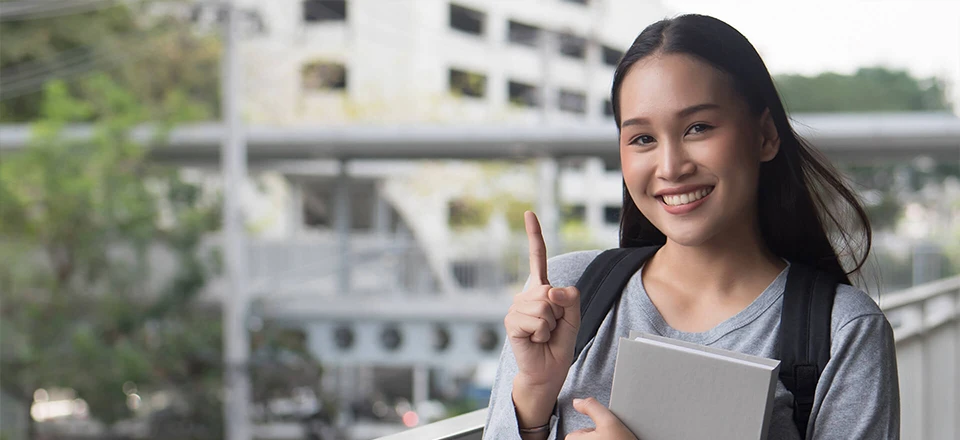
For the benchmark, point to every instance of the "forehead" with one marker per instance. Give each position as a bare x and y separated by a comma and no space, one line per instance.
670,83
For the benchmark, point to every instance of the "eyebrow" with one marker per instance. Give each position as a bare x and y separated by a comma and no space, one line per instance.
682,113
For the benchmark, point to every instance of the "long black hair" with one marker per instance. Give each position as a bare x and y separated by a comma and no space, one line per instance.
800,194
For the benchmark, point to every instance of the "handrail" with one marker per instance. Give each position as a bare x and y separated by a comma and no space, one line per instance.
467,426
918,293
470,426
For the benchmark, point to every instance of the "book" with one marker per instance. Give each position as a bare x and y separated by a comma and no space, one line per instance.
666,389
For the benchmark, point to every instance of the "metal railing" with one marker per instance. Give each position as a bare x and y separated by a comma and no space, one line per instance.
926,327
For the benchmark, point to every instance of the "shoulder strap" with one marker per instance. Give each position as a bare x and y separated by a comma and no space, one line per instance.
805,336
601,285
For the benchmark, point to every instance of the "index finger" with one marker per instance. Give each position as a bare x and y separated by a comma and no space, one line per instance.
538,250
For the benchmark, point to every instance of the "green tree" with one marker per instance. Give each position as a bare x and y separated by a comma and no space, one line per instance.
143,51
870,89
886,188
81,307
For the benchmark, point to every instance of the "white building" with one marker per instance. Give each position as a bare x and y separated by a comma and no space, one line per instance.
392,62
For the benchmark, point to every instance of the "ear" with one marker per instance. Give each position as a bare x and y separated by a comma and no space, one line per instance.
770,137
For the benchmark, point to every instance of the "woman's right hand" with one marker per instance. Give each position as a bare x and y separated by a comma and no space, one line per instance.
543,321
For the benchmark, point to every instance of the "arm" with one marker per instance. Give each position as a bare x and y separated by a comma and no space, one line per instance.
858,396
503,414
541,328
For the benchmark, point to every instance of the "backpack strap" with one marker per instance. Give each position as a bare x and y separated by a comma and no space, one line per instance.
805,336
601,285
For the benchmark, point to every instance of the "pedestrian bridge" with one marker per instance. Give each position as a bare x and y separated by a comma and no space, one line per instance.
926,326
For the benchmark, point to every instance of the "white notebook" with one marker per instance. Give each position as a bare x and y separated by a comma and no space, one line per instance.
665,389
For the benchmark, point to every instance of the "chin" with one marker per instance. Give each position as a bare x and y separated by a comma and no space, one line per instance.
688,237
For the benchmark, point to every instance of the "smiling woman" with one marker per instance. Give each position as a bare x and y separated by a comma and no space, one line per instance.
730,201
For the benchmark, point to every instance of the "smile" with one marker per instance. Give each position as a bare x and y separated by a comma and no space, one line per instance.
685,199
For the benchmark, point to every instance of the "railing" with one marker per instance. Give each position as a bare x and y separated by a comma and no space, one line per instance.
926,327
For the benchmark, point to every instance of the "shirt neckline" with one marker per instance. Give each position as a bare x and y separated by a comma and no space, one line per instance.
769,297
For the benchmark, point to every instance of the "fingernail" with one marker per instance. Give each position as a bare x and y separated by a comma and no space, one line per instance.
577,402
559,293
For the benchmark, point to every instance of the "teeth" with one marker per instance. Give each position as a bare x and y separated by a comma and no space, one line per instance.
683,199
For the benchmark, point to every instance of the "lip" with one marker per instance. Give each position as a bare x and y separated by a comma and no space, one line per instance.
682,209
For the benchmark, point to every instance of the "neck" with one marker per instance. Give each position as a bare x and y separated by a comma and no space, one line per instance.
725,264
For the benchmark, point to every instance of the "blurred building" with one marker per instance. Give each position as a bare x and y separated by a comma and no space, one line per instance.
355,62
420,62
349,61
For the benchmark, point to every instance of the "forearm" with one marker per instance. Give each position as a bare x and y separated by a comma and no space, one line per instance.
534,404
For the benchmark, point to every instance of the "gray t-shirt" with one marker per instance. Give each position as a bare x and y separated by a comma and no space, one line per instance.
857,397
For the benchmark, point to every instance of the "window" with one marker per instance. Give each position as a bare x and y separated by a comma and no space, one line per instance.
611,166
466,19
324,10
611,215
468,213
525,34
521,94
573,46
324,76
573,102
575,213
468,83
607,108
611,56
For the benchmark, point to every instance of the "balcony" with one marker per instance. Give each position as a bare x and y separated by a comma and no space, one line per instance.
926,325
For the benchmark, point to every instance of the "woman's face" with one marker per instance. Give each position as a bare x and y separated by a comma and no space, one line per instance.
691,149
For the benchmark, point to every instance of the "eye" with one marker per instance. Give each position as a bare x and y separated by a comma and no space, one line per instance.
643,139
699,129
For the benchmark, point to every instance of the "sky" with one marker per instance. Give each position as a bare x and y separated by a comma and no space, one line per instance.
813,36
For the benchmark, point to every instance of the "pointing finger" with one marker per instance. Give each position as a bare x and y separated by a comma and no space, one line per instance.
538,250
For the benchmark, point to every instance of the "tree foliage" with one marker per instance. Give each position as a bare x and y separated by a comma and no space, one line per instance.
83,222
103,256
148,53
870,89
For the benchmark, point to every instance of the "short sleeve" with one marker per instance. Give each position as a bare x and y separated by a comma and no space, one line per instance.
858,396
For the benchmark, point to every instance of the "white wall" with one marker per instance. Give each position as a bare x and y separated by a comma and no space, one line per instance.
398,53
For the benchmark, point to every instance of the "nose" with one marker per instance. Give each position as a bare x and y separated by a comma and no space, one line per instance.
674,163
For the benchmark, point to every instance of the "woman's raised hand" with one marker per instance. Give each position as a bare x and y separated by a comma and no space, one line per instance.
543,321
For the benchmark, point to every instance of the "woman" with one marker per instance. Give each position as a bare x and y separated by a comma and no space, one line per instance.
714,173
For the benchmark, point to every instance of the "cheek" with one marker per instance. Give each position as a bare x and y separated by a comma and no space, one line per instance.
628,166
637,171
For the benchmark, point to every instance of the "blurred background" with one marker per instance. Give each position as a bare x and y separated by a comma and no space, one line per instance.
302,219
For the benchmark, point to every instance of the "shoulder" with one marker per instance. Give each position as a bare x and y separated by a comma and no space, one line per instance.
565,269
858,320
851,304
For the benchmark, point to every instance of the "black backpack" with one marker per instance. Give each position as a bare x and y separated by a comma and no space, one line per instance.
804,323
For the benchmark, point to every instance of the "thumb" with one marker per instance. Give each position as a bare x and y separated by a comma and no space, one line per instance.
569,299
600,415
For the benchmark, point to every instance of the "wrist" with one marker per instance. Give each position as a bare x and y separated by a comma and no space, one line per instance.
534,403
538,386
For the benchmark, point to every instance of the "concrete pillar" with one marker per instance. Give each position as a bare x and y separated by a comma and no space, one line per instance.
548,93
591,66
381,212
496,31
548,210
421,384
341,224
295,220
345,386
926,263
593,171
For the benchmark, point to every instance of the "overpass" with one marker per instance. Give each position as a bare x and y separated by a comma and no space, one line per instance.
859,137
